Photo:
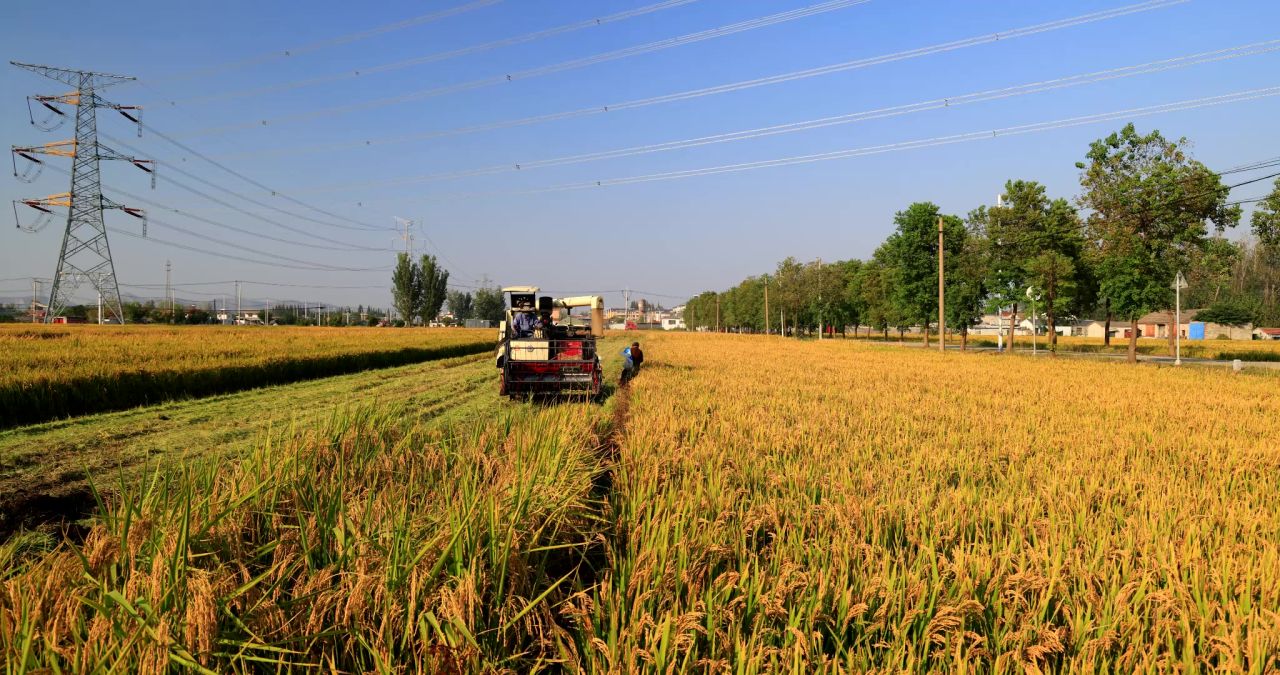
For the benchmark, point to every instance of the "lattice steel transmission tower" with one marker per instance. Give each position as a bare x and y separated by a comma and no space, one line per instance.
86,254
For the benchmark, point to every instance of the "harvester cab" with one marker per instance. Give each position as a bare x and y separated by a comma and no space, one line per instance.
545,348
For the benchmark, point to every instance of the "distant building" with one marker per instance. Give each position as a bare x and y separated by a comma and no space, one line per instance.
1266,333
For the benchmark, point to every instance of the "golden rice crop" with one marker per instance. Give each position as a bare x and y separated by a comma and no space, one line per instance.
368,545
843,507
1218,350
773,506
55,371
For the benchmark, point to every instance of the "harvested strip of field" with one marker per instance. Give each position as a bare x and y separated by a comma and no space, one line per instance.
51,372
839,507
44,468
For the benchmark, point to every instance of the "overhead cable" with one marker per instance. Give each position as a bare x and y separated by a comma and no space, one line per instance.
855,64
326,43
1190,104
879,113
637,50
435,57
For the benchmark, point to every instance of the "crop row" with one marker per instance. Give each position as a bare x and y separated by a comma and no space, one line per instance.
49,372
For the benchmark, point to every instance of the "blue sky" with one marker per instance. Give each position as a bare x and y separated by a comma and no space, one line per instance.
673,237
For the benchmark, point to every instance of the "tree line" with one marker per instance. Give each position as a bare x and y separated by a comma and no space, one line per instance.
1146,211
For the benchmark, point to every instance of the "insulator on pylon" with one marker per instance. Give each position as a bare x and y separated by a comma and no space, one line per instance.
148,165
54,117
38,223
133,113
31,169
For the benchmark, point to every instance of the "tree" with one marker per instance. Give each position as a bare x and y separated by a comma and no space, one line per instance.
1150,202
433,279
874,284
461,304
1056,268
1036,242
1229,313
1266,227
913,255
489,304
967,273
406,288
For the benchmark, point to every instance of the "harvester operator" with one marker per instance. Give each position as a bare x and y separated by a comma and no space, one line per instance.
525,320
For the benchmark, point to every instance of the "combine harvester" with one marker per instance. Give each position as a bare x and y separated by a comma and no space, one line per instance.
544,349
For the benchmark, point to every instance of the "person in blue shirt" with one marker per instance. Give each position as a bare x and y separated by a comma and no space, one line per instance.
524,323
632,357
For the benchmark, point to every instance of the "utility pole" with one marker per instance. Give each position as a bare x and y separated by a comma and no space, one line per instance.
820,317
168,289
1179,283
99,307
266,313
35,293
237,319
85,253
766,305
942,302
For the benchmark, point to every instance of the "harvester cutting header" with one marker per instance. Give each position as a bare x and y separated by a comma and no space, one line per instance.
544,348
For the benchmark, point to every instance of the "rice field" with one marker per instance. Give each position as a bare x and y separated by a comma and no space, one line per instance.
748,504
1217,350
48,372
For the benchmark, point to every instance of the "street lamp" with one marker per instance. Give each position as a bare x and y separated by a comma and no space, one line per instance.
1033,297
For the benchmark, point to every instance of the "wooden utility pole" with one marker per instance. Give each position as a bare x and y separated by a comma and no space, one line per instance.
942,302
766,306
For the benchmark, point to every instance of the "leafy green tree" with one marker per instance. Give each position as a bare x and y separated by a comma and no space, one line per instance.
1057,267
967,274
913,253
1149,203
489,304
1231,313
406,288
433,280
461,304
875,285
1266,227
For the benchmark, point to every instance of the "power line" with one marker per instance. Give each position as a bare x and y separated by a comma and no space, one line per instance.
170,166
329,42
573,64
357,225
439,56
1189,104
313,265
230,256
879,113
845,66
344,246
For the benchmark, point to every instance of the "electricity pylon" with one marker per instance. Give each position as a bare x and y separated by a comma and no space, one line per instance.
85,255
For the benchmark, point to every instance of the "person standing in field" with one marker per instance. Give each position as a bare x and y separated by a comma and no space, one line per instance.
632,357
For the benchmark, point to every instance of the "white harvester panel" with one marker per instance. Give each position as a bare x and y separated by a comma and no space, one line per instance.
529,350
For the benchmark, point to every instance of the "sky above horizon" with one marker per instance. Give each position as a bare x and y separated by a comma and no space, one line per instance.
594,206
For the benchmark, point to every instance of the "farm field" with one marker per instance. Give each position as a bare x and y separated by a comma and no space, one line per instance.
1218,350
851,507
44,468
49,372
